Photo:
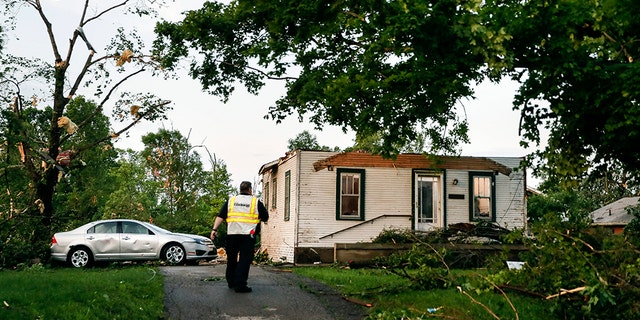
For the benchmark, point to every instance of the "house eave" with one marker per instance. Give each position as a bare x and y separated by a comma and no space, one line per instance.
615,212
273,165
411,160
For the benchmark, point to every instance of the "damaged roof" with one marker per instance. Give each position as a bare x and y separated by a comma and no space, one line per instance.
411,160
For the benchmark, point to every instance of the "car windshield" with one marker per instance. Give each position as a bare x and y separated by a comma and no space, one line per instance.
155,228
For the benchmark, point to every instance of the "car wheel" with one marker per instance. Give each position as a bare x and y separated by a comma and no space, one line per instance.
174,254
80,257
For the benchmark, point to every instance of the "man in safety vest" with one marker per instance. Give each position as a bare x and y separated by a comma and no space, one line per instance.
243,214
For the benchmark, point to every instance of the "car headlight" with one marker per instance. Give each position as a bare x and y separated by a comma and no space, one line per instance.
201,241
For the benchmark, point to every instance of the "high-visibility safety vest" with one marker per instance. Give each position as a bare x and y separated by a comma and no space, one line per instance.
242,217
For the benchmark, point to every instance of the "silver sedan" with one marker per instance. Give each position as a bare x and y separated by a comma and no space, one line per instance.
128,240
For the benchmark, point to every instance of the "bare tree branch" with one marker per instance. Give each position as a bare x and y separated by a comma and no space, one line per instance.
47,23
76,84
100,106
104,12
116,134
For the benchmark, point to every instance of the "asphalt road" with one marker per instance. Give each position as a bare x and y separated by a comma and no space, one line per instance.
200,292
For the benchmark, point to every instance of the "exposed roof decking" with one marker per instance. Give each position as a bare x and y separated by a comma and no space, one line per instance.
411,160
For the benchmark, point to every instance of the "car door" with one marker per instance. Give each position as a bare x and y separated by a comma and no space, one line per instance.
104,240
137,242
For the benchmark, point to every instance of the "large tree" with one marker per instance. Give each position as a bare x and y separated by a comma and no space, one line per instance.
85,184
305,140
176,166
30,85
387,68
397,68
575,62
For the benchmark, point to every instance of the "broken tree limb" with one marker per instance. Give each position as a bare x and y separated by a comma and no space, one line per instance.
563,292
359,302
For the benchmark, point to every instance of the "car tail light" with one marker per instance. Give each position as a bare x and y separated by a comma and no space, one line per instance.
53,240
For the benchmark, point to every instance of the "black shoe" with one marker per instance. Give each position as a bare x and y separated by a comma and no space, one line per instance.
231,285
243,289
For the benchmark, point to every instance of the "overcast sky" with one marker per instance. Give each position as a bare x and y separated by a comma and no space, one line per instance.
237,132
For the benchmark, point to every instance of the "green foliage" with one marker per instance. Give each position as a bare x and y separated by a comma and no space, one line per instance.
633,228
135,195
569,255
46,114
598,269
176,168
86,184
262,257
17,246
574,60
307,141
167,184
394,297
395,236
428,139
394,71
385,68
423,265
82,185
571,205
97,187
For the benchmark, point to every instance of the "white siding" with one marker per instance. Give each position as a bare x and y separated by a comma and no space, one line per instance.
457,210
278,235
511,205
510,196
318,205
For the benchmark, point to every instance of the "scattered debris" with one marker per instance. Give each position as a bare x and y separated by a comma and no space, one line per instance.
124,57
213,279
64,158
358,302
434,310
490,231
67,124
515,265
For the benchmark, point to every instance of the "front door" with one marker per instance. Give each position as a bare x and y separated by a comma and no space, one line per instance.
427,202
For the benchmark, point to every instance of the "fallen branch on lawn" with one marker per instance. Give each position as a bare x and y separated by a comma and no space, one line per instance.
359,302
563,292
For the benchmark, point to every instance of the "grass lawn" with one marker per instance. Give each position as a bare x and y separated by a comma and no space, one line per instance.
129,292
392,297
136,292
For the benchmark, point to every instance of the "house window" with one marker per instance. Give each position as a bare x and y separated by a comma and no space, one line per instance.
350,194
287,195
274,194
483,196
266,194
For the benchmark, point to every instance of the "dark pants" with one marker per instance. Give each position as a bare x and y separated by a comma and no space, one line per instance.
238,267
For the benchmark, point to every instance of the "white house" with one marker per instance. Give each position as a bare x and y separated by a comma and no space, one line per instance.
317,198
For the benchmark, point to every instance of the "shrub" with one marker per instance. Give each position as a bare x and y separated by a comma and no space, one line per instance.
395,236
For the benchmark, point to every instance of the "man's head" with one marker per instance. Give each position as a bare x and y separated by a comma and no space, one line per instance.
245,187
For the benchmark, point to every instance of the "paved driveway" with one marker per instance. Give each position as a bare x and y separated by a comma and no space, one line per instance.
200,292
